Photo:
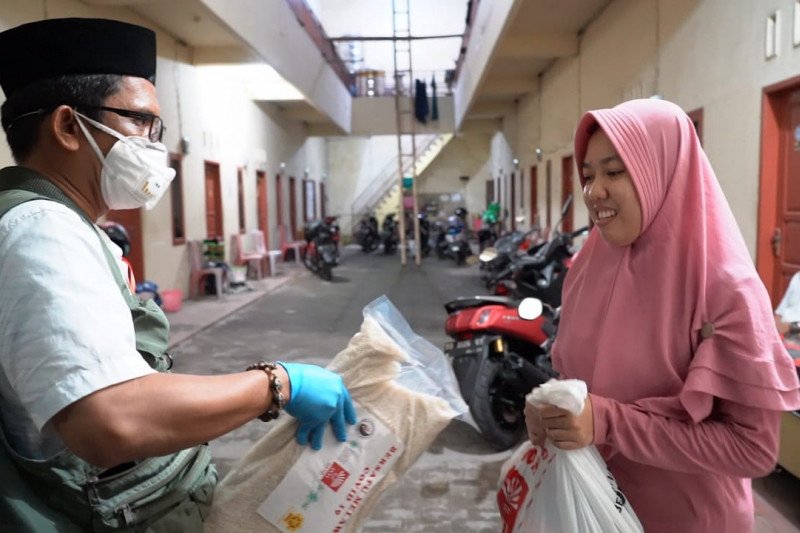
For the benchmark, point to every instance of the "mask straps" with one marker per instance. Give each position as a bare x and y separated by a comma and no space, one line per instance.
89,136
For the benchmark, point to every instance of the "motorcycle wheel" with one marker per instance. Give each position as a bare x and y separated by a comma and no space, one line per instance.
326,271
501,426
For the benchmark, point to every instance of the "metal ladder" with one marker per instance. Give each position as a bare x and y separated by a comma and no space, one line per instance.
404,112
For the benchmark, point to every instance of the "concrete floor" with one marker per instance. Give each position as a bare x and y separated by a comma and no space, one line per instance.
452,486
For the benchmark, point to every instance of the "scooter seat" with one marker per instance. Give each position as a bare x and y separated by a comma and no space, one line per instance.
466,302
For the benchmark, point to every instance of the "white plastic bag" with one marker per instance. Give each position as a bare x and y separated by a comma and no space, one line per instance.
405,393
544,489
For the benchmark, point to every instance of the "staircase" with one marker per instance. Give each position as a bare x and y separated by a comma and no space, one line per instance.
388,180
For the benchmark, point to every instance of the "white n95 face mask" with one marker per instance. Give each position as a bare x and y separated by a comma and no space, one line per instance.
135,171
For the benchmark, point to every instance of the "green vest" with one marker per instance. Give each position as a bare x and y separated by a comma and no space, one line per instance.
65,493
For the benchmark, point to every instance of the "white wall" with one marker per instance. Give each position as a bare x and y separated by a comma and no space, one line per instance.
353,163
377,116
700,54
490,21
440,17
212,110
272,29
465,155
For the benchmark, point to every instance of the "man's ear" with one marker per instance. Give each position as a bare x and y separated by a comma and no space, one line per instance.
64,128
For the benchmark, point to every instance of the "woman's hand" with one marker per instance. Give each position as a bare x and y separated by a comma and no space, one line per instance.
535,425
565,430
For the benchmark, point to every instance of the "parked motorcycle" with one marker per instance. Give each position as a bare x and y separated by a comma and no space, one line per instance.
389,234
490,228
424,234
453,242
495,259
540,275
322,246
366,233
500,352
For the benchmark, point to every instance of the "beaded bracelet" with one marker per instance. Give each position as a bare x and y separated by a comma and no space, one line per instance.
275,385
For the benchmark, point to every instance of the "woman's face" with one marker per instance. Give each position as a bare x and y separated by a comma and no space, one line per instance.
609,193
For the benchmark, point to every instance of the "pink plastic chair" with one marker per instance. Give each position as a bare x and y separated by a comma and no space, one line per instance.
298,247
250,251
197,274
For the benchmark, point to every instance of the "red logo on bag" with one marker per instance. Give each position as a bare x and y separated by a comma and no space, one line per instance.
510,498
530,455
335,476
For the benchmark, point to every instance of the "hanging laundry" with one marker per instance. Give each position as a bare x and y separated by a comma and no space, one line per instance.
421,110
434,103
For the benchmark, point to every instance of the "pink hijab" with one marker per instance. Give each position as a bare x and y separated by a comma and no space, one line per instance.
633,317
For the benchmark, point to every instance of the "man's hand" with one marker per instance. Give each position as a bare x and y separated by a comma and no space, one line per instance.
318,397
565,430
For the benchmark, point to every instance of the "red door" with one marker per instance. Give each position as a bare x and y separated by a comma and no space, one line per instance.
778,252
513,179
240,187
292,207
132,220
213,201
262,205
279,198
534,195
304,183
787,223
566,190
548,197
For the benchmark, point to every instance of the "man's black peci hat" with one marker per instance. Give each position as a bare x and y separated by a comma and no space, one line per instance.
50,48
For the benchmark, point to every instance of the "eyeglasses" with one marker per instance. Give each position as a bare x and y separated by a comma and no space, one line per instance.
154,123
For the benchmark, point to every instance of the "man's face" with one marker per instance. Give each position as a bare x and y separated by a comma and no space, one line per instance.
135,94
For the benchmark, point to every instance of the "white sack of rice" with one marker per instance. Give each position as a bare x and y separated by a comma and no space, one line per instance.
405,394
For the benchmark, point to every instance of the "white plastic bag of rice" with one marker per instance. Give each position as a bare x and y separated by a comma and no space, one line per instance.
405,393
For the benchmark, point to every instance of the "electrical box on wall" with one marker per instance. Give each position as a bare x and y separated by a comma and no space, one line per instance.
772,35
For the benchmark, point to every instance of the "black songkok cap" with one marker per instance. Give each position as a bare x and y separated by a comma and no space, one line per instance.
55,47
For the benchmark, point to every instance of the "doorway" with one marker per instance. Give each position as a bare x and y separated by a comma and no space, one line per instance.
293,206
131,219
279,198
567,165
548,197
240,190
778,247
534,195
513,201
262,207
214,227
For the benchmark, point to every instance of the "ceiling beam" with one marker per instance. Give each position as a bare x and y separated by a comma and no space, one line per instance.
475,125
491,109
326,129
301,111
538,44
214,55
506,85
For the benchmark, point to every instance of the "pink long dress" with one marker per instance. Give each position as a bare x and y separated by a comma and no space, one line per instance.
675,337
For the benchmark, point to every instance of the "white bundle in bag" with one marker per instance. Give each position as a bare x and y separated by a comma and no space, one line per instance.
405,393
544,489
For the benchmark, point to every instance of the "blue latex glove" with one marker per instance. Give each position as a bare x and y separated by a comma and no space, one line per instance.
318,397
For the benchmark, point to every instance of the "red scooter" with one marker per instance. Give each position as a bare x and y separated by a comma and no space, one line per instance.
500,351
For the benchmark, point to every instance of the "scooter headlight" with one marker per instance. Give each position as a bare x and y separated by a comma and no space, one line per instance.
484,317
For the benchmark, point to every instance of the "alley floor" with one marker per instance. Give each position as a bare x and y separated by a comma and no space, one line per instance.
301,318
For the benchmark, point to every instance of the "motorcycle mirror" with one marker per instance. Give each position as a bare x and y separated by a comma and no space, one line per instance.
530,309
565,208
488,254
